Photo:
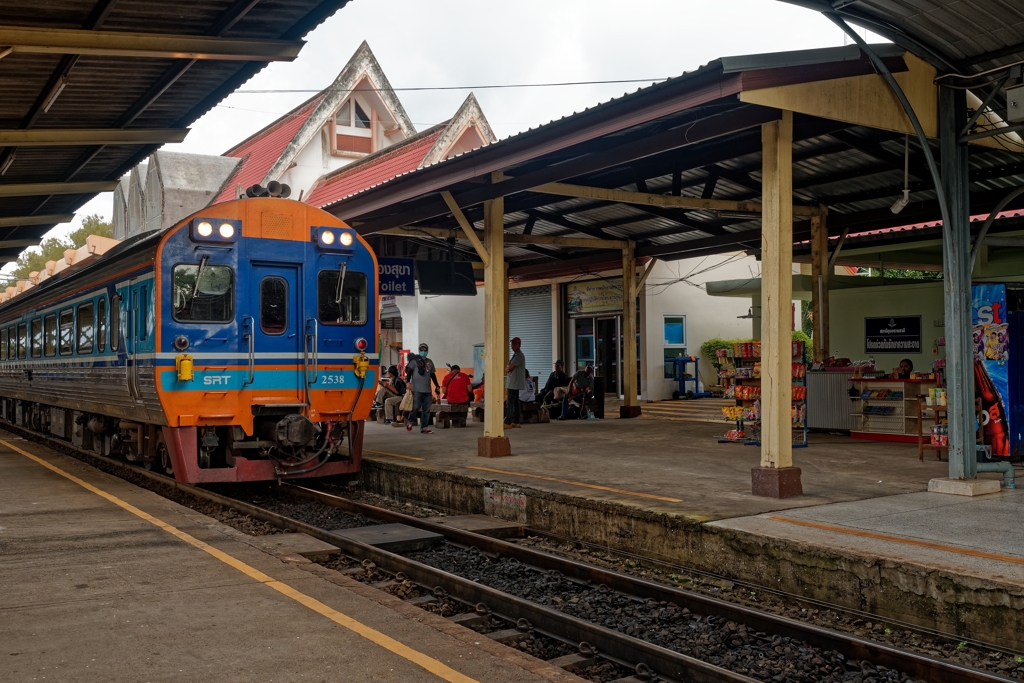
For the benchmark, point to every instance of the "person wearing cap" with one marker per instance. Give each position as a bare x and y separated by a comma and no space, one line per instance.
556,379
516,382
581,387
420,373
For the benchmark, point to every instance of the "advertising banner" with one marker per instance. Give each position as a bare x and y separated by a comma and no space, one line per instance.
991,363
395,276
594,297
898,334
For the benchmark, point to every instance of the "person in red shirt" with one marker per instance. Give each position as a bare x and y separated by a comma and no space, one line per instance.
456,387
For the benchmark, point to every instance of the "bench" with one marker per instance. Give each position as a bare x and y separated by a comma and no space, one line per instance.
444,415
533,413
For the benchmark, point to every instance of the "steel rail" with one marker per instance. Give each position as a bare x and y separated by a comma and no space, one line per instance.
914,665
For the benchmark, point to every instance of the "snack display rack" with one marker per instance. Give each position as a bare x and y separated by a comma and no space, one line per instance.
741,375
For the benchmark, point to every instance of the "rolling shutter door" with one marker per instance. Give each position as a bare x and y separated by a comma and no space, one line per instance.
529,318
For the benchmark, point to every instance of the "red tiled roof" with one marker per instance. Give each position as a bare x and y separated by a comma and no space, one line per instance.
259,152
393,162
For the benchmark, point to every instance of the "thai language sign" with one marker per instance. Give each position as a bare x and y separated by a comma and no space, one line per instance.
395,276
504,502
593,297
899,334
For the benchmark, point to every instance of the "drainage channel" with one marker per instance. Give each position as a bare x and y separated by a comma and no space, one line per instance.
551,598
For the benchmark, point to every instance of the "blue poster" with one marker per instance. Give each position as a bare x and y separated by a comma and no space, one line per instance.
395,276
991,363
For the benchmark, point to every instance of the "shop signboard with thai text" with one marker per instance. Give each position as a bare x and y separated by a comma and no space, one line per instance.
991,363
395,276
594,297
896,334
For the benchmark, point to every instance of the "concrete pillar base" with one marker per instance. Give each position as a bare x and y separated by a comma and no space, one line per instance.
493,447
964,487
776,482
626,412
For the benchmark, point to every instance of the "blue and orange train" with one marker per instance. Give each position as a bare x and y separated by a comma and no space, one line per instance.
238,345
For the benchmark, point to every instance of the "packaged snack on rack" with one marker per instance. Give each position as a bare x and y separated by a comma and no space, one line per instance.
757,370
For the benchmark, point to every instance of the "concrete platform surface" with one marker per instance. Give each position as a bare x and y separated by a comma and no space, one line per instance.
676,467
90,591
968,536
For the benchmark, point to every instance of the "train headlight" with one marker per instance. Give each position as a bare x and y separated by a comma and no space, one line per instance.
333,239
181,342
202,230
361,345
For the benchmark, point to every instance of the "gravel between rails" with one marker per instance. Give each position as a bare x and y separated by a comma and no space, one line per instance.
719,642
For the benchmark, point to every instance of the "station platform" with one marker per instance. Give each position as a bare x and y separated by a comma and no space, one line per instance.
103,581
866,534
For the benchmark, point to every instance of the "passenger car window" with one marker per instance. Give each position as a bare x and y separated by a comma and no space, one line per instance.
36,338
11,343
85,329
115,322
203,293
101,323
274,305
50,335
3,344
67,331
345,307
22,340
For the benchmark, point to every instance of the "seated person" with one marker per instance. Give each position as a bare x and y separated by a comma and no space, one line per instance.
903,371
528,394
580,388
457,389
557,379
389,397
478,390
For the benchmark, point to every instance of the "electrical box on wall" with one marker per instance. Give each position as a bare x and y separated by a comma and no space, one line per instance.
1015,104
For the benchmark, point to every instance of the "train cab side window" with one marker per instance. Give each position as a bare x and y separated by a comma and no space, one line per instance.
101,324
115,322
50,335
143,312
203,293
86,329
341,297
36,338
67,331
22,340
274,305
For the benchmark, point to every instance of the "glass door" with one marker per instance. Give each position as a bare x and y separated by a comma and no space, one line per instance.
608,353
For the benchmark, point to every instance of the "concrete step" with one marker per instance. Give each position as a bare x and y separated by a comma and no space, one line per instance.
484,525
395,538
298,544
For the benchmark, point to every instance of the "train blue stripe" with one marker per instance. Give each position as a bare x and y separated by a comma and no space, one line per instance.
265,380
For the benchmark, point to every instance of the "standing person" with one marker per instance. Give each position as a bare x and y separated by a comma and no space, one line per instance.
457,387
390,394
556,379
581,386
516,382
421,375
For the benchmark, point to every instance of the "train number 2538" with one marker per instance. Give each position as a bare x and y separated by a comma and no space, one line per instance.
333,378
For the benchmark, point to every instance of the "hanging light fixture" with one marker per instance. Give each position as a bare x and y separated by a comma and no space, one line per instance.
902,202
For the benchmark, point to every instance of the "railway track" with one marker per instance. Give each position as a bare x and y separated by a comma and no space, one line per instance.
581,609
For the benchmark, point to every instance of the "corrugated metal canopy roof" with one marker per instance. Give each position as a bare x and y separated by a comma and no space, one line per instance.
96,86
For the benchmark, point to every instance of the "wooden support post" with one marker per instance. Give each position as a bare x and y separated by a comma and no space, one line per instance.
494,443
630,405
776,477
819,285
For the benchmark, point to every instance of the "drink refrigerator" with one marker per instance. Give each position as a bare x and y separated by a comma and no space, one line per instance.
998,316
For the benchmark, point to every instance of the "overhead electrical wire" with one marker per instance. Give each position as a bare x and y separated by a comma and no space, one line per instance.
492,86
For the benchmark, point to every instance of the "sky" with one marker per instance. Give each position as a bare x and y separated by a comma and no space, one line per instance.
445,43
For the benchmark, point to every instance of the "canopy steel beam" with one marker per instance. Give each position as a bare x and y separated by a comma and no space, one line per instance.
91,136
151,45
512,238
37,189
42,219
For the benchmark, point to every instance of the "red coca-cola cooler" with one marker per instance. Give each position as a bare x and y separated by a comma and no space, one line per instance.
998,335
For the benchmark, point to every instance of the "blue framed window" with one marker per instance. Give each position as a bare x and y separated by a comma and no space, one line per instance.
674,341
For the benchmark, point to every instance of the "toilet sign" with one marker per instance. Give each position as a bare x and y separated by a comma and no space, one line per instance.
395,276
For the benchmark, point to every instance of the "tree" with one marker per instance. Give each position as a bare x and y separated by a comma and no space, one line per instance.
53,248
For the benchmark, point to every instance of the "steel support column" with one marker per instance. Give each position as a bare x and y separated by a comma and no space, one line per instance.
630,405
494,443
956,256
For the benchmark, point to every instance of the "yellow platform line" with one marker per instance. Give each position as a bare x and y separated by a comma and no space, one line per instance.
576,483
393,455
388,643
900,539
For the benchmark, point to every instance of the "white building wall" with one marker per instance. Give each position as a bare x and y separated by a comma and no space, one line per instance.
706,317
409,306
450,325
